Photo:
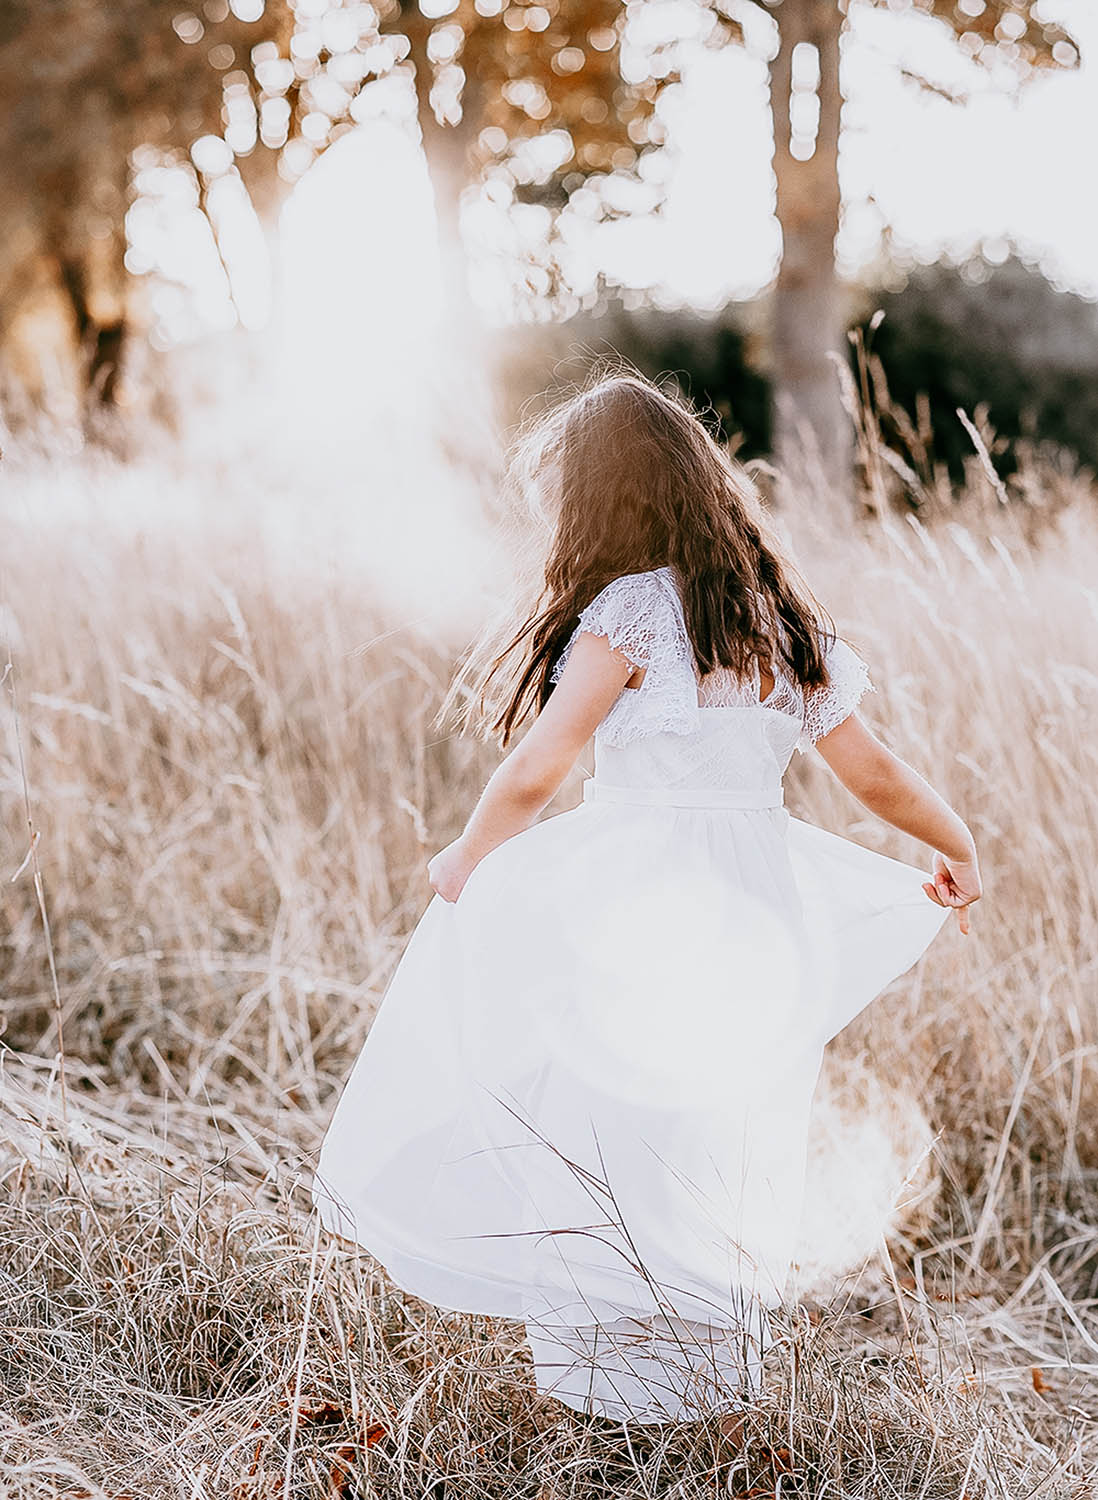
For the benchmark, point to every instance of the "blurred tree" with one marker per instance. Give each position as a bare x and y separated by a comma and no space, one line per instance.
492,74
86,84
542,97
536,99
807,101
532,95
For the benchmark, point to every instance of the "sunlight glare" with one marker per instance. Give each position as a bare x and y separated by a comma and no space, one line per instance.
869,1167
371,383
360,271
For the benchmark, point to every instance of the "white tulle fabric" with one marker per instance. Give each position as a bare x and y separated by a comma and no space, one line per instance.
585,1101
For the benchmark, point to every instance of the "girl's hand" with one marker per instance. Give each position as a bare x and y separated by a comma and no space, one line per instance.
449,870
957,885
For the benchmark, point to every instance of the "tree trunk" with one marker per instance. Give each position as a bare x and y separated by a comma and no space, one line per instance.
446,148
462,397
812,431
101,343
447,167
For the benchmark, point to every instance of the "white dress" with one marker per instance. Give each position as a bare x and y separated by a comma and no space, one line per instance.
584,1102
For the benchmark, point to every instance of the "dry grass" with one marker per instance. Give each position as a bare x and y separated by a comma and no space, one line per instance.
234,805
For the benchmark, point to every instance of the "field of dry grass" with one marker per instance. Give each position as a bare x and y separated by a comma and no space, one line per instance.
233,786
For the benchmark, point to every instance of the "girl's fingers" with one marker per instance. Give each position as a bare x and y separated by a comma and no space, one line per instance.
948,896
954,896
945,893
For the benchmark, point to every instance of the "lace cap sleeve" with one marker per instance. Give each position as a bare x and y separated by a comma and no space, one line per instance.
826,708
631,613
640,616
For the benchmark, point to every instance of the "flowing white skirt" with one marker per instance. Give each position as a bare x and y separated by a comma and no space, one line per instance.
584,1102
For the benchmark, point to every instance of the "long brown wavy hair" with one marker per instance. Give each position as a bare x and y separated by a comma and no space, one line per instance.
629,479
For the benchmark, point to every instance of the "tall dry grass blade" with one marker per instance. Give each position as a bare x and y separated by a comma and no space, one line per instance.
8,677
984,456
991,1190
299,1369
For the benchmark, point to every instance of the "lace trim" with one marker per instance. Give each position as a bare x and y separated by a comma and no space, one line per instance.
632,614
723,689
826,708
640,614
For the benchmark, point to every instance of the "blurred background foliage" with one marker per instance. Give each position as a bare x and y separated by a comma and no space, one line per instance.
551,105
998,339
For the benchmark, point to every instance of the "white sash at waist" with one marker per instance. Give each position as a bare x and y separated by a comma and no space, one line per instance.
658,796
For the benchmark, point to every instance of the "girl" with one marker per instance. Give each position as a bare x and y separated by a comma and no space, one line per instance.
584,1103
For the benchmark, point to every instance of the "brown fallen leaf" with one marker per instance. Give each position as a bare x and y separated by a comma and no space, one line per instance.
780,1459
255,1460
732,1427
1040,1384
318,1411
342,1472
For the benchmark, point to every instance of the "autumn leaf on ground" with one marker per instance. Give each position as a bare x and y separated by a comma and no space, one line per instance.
316,1410
342,1472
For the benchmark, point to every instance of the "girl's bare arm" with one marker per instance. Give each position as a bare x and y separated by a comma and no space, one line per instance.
889,787
532,773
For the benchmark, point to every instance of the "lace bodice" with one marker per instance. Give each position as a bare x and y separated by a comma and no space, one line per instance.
641,615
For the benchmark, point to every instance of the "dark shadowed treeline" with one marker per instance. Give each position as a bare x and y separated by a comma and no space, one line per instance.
999,342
